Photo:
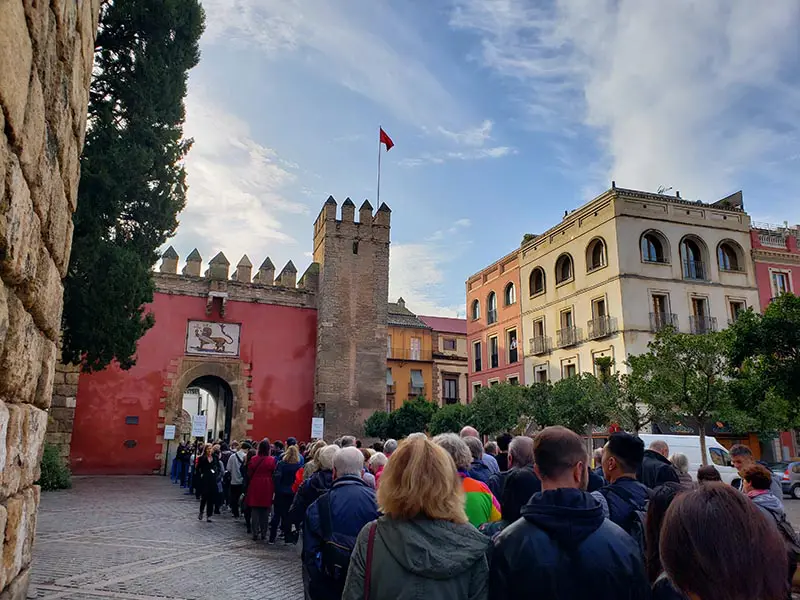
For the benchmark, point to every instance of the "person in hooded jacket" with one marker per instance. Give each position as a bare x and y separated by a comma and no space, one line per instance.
562,546
423,546
477,470
519,487
655,468
316,485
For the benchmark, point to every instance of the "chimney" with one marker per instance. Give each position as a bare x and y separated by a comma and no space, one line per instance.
218,267
348,211
613,184
401,303
677,194
266,273
169,261
288,277
365,213
193,264
384,215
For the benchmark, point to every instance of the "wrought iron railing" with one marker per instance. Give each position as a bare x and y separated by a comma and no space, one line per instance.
568,336
660,320
601,327
694,269
540,344
702,324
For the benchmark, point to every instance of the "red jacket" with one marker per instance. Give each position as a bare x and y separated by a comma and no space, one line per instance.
378,474
260,487
298,479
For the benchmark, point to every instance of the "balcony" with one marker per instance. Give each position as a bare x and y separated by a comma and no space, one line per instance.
601,327
540,345
772,240
694,269
660,320
451,399
390,389
569,336
491,316
404,354
513,356
702,324
415,391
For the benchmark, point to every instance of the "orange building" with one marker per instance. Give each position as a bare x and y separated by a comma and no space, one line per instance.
409,357
494,325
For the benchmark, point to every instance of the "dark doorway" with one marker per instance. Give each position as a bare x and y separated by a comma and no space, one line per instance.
218,422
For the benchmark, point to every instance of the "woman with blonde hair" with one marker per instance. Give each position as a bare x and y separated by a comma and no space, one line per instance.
423,546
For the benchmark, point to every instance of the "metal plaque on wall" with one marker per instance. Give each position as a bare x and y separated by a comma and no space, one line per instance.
207,338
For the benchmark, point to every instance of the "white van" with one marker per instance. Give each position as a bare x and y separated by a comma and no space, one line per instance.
716,454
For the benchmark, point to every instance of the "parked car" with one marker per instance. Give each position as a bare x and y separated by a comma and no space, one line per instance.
716,454
790,480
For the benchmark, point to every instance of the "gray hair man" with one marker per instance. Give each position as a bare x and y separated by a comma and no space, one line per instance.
520,456
487,459
656,470
389,447
348,441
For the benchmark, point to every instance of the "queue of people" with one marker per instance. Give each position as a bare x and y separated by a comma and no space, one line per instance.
451,517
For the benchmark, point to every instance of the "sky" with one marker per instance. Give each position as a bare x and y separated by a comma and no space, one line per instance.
504,114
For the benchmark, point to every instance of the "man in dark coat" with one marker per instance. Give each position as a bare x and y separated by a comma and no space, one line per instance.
520,455
478,469
336,517
656,469
563,547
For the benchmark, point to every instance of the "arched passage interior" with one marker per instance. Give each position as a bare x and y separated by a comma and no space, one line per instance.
216,403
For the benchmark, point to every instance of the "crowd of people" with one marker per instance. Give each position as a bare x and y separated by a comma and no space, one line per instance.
451,517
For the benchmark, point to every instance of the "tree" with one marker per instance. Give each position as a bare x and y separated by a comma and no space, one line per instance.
638,401
413,416
498,408
377,425
132,183
537,410
581,403
764,357
689,372
450,418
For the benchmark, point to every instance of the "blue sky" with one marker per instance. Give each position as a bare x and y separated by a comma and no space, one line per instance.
504,114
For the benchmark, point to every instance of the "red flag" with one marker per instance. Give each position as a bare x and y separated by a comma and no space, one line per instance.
385,139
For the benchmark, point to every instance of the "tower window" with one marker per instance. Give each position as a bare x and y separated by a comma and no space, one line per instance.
355,247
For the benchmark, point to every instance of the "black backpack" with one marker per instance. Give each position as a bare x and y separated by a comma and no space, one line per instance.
634,525
335,555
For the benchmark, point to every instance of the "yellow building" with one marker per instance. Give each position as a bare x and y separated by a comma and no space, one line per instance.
409,357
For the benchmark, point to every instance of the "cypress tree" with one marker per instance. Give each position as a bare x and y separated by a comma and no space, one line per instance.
133,182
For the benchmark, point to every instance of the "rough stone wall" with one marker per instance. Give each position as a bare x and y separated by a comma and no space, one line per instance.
46,53
62,407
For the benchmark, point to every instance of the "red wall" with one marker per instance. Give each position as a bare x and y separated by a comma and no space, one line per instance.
278,341
763,266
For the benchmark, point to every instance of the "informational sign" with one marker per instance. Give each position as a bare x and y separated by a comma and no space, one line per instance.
199,426
208,338
317,427
169,432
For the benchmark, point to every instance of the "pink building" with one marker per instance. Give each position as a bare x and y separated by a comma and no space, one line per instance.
494,325
777,260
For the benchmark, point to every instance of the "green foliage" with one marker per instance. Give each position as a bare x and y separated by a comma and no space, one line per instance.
376,425
55,473
498,408
537,410
450,418
132,183
638,400
764,356
413,416
581,402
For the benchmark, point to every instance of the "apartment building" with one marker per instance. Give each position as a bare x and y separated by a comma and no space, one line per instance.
494,329
776,258
624,265
409,356
450,359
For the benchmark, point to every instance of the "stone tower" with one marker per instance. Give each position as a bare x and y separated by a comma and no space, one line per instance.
350,381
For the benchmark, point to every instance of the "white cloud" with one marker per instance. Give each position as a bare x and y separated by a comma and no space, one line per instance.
475,136
686,94
428,158
454,229
416,272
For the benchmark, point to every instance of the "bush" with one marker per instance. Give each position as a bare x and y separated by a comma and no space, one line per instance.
450,419
413,416
55,472
376,425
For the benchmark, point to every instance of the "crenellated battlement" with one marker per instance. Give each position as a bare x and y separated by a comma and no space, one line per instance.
370,227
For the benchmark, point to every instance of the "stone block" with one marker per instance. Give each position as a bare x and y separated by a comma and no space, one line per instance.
21,362
3,316
18,589
44,388
16,534
33,133
20,233
66,12
58,222
73,378
3,156
16,59
37,13
34,428
5,415
12,472
48,300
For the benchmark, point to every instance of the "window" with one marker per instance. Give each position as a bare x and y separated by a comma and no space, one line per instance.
416,348
569,370
692,258
511,340
389,382
653,247
494,352
595,254
511,294
780,283
476,387
599,308
539,345
476,356
417,386
541,375
476,310
700,321
600,325
513,380
450,344
494,382
699,307
796,468
491,308
536,282
450,390
566,319
720,457
736,308
728,257
563,268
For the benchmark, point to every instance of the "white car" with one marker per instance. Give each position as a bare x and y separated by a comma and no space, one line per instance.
716,454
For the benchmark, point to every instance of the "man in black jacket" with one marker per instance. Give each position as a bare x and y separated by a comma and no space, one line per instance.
563,547
656,469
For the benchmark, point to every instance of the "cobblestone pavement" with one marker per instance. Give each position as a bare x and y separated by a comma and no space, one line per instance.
138,538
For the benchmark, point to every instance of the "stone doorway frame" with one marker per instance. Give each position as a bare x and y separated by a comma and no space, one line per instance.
183,371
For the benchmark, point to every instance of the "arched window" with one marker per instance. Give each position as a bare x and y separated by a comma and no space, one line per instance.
511,294
728,257
654,247
476,310
595,254
536,282
491,308
692,258
564,270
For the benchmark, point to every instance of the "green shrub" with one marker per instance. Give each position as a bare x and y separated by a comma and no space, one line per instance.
55,472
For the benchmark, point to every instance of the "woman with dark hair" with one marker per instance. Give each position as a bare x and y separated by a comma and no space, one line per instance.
208,468
660,501
716,545
708,473
251,454
261,488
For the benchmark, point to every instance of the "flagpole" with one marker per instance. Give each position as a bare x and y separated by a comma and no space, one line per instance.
378,199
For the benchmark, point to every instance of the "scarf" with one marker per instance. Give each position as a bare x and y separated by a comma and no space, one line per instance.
754,493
